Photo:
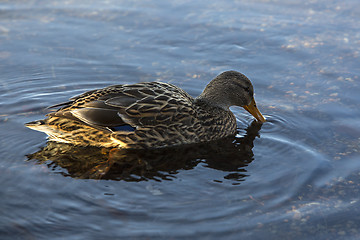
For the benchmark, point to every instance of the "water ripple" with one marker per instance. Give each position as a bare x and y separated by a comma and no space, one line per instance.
276,123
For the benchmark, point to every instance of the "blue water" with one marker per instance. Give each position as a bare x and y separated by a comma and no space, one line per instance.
295,177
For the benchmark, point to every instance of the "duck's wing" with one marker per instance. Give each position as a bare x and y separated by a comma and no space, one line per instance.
137,105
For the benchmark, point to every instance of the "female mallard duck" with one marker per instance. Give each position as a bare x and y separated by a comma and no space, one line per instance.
150,114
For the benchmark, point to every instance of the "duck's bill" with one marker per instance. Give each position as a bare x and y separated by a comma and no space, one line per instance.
253,110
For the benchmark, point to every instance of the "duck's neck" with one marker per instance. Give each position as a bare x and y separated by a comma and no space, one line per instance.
215,97
212,102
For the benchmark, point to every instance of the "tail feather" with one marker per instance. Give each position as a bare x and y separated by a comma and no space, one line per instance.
36,125
37,122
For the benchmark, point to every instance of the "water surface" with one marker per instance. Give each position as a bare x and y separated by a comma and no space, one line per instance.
295,177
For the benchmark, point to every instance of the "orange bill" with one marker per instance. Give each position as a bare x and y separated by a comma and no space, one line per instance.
253,110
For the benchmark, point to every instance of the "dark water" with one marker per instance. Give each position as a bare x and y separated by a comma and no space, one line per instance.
295,177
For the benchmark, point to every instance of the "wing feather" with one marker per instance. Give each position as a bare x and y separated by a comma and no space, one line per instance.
138,105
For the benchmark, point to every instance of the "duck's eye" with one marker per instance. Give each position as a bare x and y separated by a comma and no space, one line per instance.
249,90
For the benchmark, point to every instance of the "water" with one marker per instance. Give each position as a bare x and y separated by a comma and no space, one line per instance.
295,177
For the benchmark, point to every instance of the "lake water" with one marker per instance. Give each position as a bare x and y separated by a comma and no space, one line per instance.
295,177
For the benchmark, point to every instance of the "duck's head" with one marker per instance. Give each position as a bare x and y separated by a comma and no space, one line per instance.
232,88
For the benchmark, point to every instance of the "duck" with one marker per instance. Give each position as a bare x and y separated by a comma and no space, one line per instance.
150,115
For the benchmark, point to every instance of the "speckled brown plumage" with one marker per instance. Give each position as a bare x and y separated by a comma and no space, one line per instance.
148,115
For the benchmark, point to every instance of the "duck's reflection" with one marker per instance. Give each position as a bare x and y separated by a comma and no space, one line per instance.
230,155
